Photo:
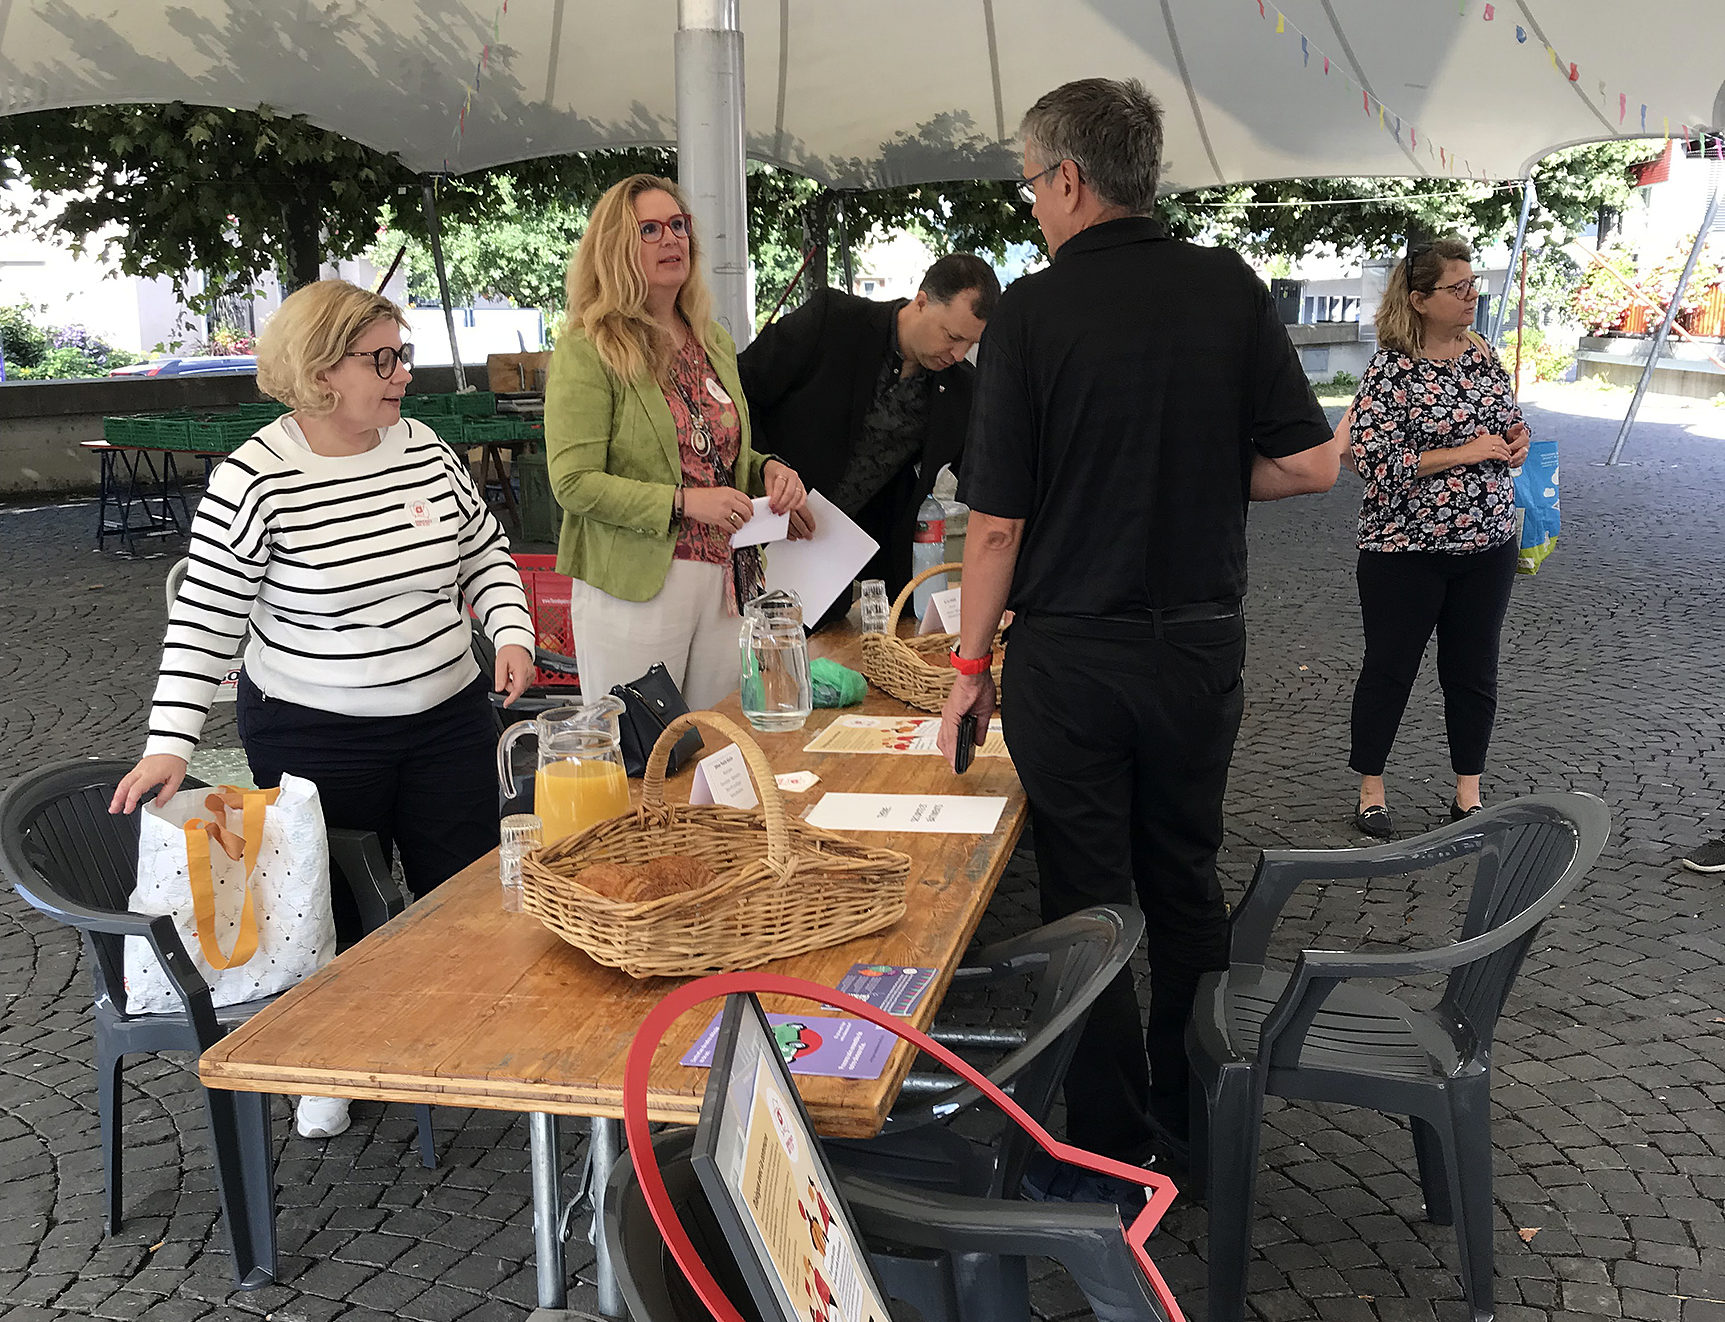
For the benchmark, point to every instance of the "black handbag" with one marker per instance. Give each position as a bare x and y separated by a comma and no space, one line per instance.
649,705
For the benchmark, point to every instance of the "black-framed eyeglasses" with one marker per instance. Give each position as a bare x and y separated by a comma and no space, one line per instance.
682,225
385,359
1027,186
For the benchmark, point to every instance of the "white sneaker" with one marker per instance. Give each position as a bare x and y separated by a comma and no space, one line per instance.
321,1117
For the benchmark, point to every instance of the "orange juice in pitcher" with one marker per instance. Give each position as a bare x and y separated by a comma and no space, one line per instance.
580,779
572,795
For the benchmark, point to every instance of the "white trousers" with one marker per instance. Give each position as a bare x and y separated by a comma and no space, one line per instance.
685,627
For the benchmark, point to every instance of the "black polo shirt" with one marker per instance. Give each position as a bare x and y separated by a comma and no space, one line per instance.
1121,395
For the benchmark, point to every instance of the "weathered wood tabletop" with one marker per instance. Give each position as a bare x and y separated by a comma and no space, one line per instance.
458,1003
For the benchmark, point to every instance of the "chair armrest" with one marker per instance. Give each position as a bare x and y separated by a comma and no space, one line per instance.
1085,1238
1317,973
356,858
555,663
1281,872
158,929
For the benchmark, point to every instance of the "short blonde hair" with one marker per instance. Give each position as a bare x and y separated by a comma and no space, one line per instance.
607,294
311,330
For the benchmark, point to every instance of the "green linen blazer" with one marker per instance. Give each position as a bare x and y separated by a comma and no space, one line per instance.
614,464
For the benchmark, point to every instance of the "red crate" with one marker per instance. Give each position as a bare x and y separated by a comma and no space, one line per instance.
548,603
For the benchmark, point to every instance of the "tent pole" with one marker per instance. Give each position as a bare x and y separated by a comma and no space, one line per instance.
847,266
436,228
1514,258
1665,323
710,159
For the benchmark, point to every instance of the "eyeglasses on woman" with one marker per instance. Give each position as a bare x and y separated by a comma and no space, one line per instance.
385,359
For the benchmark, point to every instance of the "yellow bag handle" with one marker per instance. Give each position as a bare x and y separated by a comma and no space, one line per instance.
199,833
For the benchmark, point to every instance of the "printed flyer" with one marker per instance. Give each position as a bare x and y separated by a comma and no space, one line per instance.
895,734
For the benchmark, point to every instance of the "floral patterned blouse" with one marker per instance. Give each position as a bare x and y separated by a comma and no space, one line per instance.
1406,406
694,384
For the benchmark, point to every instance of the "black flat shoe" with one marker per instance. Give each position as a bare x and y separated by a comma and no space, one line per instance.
1375,820
1457,812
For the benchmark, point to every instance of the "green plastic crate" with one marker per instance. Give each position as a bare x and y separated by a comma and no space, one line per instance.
475,403
166,431
475,431
124,430
425,406
221,432
265,409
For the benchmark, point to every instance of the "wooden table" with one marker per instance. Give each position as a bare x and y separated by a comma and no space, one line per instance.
458,1003
138,499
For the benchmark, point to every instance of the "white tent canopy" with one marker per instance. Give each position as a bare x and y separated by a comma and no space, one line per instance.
860,93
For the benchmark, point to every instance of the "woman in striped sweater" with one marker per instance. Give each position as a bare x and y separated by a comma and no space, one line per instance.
348,542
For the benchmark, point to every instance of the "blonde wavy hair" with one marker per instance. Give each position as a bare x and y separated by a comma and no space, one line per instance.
1400,326
311,330
607,292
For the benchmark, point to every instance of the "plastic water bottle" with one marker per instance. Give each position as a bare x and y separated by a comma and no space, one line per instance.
928,549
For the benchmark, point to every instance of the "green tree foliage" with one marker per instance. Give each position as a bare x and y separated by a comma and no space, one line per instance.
172,189
1360,216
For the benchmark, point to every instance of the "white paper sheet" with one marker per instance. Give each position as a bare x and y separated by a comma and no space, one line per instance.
819,569
945,814
763,526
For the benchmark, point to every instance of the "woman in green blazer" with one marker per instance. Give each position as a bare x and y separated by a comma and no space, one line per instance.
647,435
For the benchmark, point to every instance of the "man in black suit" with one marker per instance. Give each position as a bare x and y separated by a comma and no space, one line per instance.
866,399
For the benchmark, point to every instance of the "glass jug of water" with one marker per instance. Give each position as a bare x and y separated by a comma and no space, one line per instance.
776,693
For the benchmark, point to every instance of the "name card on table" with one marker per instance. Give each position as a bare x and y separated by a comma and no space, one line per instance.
946,814
942,613
723,777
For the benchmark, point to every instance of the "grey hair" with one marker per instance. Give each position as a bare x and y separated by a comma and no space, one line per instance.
1112,131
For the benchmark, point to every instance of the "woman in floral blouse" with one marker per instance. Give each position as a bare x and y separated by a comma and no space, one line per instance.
1435,431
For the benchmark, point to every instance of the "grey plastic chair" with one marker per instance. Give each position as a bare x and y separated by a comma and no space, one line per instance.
1069,962
68,857
1316,1033
1086,1239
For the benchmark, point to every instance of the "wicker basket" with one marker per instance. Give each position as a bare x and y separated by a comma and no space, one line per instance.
916,670
783,887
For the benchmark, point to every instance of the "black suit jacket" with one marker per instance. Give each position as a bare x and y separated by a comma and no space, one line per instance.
809,379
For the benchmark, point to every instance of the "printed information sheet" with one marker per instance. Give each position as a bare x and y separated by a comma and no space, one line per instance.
894,734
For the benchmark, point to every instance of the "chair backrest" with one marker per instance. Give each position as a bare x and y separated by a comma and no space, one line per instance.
176,576
1072,960
61,847
1532,855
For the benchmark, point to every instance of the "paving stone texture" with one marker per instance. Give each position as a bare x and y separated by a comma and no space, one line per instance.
1609,1132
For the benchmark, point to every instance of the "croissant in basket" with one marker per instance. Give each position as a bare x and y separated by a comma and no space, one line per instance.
637,883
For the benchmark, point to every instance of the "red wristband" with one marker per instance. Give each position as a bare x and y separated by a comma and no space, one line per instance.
970,665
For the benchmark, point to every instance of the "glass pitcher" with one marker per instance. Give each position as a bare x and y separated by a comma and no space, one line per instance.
580,781
776,694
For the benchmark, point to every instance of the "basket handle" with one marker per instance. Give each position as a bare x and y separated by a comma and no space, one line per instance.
910,588
772,802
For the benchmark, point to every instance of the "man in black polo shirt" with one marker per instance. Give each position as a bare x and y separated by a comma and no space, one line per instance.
866,399
1130,399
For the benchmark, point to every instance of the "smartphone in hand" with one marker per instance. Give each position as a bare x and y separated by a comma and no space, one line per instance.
966,748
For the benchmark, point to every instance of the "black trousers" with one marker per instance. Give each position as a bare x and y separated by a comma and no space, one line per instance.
1404,597
427,783
1122,736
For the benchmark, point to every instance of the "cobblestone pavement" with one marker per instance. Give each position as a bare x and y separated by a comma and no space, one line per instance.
1609,1134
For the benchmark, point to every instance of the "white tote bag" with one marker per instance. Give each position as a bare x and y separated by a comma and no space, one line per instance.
245,876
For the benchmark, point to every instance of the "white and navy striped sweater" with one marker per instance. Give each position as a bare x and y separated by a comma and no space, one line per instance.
350,573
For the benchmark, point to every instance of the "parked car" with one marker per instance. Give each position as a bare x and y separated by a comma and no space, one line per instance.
233,364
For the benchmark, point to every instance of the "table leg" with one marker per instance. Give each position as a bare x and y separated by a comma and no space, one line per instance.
107,492
605,1145
491,465
547,1162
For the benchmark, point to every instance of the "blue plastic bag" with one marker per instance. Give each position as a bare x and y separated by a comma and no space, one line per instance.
1536,506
